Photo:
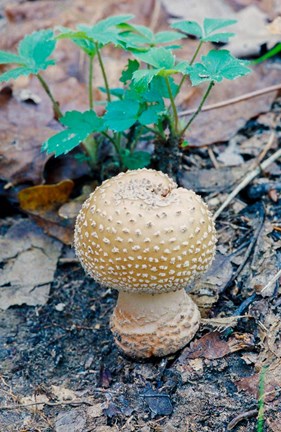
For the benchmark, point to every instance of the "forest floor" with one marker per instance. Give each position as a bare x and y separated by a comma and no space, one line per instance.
60,370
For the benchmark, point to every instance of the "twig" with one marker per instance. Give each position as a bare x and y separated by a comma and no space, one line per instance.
212,157
247,180
72,402
234,100
240,417
277,276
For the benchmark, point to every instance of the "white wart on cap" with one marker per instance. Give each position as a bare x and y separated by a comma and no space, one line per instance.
141,234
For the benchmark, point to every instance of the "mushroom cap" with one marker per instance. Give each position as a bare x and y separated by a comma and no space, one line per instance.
139,232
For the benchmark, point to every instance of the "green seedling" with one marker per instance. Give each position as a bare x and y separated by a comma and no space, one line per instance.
144,106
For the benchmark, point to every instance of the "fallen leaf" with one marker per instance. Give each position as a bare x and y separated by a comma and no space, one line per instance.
272,382
71,421
42,198
211,346
205,292
212,180
34,399
275,26
231,156
63,394
95,411
221,323
251,33
29,260
197,11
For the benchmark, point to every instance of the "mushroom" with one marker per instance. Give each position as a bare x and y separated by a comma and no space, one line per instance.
141,234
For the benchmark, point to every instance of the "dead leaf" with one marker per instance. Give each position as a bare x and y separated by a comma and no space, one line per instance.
35,399
211,346
71,421
29,260
275,26
231,156
95,411
251,33
212,180
272,383
63,394
221,323
43,198
205,291
197,11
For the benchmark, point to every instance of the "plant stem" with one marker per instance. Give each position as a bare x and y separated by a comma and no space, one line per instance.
198,109
90,84
196,53
261,400
173,105
91,147
156,132
56,107
103,73
191,63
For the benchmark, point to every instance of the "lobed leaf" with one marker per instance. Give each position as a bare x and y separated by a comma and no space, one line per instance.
35,49
158,57
151,114
216,66
121,114
135,160
207,32
15,73
7,57
80,125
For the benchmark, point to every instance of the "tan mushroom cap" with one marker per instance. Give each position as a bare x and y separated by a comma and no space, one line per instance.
139,232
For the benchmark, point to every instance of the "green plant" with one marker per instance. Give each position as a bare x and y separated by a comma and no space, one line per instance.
144,107
260,422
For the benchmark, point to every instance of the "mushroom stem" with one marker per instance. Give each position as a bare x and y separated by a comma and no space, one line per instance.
146,325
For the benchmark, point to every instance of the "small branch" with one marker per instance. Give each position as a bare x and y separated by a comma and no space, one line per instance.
240,417
103,73
271,282
198,109
232,101
56,107
90,84
248,179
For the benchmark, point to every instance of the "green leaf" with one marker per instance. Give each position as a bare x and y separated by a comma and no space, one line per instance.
168,36
79,38
143,77
136,160
7,57
151,114
216,66
80,125
210,25
34,51
105,31
127,74
15,73
189,27
121,114
160,58
207,33
36,48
